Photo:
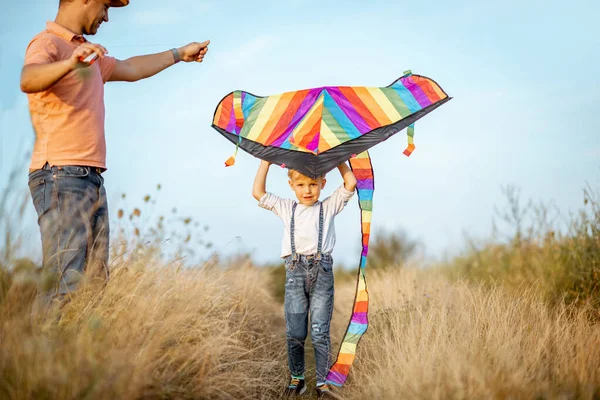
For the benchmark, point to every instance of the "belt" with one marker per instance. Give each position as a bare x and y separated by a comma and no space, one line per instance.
97,170
311,257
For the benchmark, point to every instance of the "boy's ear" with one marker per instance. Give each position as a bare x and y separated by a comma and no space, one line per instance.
323,182
291,184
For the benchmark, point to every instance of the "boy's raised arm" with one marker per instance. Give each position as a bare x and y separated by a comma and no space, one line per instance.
260,181
348,176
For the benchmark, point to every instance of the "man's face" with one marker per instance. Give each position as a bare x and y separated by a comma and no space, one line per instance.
307,190
96,12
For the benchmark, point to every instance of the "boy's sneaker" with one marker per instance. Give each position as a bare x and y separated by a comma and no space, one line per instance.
324,392
295,388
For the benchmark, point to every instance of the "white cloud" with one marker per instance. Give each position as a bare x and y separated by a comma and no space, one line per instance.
155,17
238,58
594,152
169,15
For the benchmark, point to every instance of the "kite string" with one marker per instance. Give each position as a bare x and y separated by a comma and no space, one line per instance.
141,45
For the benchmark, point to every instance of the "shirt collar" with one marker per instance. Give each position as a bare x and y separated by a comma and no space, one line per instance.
63,32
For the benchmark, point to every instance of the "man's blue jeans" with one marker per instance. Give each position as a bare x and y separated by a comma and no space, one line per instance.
309,289
72,210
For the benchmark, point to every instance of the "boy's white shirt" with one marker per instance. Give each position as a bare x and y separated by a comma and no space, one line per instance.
306,232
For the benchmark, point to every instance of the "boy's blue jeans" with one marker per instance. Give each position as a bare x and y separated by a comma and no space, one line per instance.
72,210
309,289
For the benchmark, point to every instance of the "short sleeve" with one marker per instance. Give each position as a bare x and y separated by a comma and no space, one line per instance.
271,202
107,67
41,50
338,200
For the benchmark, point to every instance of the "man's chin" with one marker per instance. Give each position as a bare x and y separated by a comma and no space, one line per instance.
92,31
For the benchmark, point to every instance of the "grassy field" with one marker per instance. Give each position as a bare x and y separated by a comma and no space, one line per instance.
507,319
218,333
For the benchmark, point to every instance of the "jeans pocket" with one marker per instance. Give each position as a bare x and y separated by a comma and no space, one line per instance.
34,182
289,264
326,266
37,188
38,177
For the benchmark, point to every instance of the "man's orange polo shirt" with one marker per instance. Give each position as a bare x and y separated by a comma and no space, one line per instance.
68,118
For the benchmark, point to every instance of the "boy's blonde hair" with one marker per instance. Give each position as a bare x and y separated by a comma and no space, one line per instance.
293,175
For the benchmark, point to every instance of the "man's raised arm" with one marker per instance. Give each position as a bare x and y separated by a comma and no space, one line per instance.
141,67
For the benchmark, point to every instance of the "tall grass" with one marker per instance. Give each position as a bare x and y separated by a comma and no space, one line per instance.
217,333
431,339
512,323
557,255
152,332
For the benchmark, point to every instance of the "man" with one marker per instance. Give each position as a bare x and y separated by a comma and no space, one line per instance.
64,77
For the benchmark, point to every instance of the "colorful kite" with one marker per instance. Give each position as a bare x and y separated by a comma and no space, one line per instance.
313,131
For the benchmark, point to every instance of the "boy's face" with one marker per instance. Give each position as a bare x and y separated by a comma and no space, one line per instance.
307,190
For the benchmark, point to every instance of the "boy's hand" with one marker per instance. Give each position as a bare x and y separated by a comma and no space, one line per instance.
348,176
259,188
194,51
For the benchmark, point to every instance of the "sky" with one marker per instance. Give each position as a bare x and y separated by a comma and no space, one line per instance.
523,75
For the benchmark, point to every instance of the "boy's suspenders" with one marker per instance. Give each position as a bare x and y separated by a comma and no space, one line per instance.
320,243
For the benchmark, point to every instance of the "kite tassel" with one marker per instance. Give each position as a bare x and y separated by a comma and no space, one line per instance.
231,160
410,133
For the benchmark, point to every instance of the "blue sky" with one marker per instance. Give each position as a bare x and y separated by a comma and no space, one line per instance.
524,77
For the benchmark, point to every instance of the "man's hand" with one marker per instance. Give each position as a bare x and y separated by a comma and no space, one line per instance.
36,78
194,51
82,52
142,67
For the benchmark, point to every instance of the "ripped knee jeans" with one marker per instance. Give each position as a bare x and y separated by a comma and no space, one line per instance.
309,290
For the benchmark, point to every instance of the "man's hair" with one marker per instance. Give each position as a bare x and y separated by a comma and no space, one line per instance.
62,2
293,174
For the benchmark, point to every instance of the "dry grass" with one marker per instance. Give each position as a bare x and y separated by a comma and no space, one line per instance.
162,331
217,333
560,261
153,332
431,339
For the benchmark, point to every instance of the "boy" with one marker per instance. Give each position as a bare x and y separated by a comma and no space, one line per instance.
308,240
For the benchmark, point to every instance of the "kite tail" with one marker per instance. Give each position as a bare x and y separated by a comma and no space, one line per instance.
410,133
231,160
363,170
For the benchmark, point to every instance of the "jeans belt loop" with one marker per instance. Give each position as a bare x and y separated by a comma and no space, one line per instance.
97,170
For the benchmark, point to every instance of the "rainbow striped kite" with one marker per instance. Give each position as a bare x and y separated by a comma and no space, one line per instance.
313,131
